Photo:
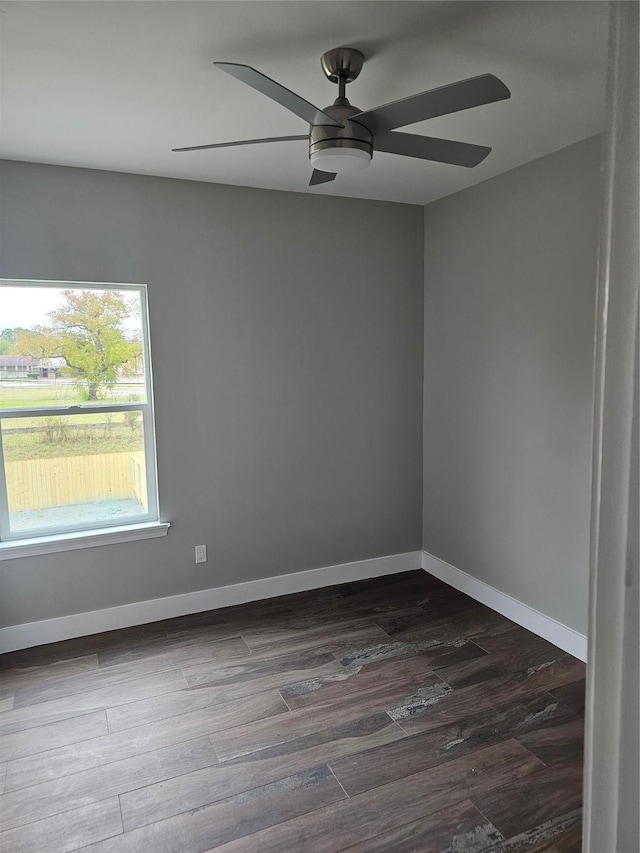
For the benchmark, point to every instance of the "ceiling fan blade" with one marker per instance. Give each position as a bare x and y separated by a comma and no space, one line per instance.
242,142
281,95
463,95
318,177
431,148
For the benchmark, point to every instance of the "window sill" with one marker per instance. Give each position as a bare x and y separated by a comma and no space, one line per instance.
84,539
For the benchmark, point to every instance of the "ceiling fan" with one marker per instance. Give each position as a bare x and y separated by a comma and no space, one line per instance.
342,138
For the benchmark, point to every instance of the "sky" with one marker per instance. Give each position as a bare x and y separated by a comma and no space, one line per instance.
24,307
28,306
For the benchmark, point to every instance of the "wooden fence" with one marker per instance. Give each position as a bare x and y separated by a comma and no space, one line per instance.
68,480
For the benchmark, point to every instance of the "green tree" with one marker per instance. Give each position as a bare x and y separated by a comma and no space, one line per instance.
88,332
8,339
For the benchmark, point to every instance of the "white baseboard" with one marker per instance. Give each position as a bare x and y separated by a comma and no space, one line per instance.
141,612
544,626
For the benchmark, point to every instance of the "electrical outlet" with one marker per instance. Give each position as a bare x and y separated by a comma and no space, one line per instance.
201,553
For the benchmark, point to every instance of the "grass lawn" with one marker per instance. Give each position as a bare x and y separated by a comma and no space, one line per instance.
67,435
59,439
16,396
23,394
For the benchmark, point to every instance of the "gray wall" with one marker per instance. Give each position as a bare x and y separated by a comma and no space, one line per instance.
510,270
287,352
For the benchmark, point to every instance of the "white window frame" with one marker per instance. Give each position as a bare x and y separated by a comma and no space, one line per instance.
64,537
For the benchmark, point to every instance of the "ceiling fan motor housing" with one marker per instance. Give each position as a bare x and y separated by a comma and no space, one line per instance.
352,136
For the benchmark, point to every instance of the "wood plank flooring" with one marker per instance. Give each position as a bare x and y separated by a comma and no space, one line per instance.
394,715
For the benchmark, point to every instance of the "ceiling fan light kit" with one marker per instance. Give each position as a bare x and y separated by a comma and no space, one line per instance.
342,138
340,160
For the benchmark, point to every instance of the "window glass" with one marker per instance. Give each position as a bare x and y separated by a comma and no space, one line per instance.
66,470
63,346
76,423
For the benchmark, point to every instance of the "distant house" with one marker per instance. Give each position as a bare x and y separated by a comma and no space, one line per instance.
27,367
17,366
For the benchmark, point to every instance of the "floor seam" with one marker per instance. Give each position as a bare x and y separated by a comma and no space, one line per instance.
338,781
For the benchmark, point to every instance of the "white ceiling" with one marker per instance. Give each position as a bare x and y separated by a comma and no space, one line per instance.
116,85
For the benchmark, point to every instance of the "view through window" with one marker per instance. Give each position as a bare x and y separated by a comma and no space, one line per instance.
76,417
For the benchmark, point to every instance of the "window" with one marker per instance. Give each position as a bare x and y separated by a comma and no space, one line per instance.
77,447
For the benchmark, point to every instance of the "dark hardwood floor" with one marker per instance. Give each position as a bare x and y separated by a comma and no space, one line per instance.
394,715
